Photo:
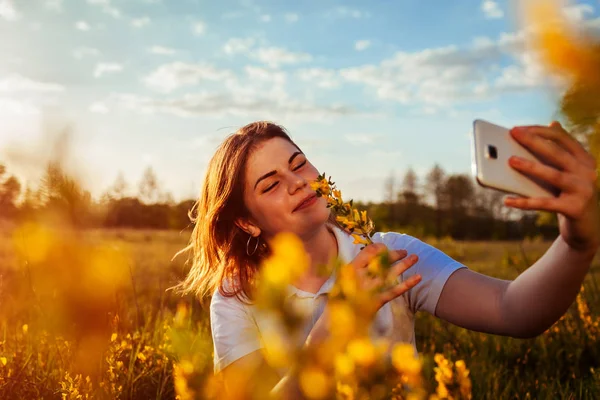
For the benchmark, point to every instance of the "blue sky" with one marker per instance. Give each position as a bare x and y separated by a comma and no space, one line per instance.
366,88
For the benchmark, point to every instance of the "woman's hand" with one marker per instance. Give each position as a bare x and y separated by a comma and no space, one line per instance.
575,176
368,281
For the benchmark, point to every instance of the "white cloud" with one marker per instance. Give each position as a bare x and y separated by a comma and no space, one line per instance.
82,26
265,18
578,12
98,107
165,51
361,45
198,28
172,76
54,5
19,84
82,52
8,10
323,78
276,56
221,104
106,7
107,68
238,45
18,107
291,17
265,75
491,9
140,22
347,12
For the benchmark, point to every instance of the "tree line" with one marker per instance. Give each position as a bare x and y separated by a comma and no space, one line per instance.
443,205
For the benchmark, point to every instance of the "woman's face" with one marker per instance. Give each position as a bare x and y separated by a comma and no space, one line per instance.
277,192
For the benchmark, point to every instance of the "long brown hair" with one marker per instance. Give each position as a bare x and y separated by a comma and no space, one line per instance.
219,258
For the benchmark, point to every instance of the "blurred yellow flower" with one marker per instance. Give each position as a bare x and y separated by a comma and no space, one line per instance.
561,47
3,360
344,365
25,328
314,382
362,351
113,337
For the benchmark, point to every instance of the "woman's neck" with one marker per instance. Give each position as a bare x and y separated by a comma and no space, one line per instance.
322,249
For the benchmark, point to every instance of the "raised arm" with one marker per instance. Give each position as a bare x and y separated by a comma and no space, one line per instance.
539,296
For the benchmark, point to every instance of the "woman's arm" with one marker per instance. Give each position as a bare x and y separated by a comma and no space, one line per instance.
525,307
538,297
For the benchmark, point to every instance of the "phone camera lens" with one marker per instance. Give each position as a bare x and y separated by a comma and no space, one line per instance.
492,152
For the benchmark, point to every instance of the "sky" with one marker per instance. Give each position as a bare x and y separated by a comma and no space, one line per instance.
367,89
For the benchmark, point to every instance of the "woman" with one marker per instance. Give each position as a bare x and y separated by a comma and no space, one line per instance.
257,185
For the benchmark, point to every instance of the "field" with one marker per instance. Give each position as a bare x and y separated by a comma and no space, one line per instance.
49,311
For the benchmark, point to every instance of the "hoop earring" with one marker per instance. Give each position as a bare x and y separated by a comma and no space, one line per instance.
248,245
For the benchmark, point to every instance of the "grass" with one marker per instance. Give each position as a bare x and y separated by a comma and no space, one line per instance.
147,332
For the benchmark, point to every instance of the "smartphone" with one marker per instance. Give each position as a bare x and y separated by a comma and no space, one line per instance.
492,146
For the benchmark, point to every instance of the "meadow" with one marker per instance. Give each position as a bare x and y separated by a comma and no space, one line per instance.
53,343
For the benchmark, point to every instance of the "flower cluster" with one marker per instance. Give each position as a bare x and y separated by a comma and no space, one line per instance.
356,222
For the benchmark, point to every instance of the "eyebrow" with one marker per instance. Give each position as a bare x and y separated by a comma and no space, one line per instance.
271,173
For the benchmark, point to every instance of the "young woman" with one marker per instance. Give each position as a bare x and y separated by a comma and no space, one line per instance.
257,185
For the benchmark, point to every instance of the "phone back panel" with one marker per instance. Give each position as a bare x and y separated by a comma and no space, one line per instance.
491,140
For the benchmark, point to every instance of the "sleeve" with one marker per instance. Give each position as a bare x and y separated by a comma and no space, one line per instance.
434,266
234,332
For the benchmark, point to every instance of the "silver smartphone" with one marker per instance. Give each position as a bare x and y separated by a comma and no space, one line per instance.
492,146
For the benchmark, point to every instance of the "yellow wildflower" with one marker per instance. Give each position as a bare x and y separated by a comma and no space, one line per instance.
113,337
25,328
3,360
314,382
362,352
344,364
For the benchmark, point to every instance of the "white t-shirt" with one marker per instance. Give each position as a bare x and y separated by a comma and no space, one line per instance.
236,327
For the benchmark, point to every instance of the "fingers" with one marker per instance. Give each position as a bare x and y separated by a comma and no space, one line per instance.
562,180
556,133
399,289
547,149
365,256
402,266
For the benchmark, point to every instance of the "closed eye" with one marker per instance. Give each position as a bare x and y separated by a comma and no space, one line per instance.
270,187
300,165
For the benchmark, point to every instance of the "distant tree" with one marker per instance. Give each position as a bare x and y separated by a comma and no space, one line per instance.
148,186
434,188
10,188
389,196
410,187
119,188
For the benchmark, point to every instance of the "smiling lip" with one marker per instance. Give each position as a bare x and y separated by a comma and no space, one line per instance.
308,200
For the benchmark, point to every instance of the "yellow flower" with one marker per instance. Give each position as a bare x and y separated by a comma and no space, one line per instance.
556,39
403,358
344,364
25,329
141,357
113,337
314,382
362,352
3,360
341,318
337,194
359,239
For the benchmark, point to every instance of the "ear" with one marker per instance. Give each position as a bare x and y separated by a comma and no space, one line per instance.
248,227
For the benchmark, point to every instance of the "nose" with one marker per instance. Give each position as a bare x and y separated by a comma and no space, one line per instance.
298,182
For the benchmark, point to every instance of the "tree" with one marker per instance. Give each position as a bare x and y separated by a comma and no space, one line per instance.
119,188
390,197
148,187
10,188
434,187
410,185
